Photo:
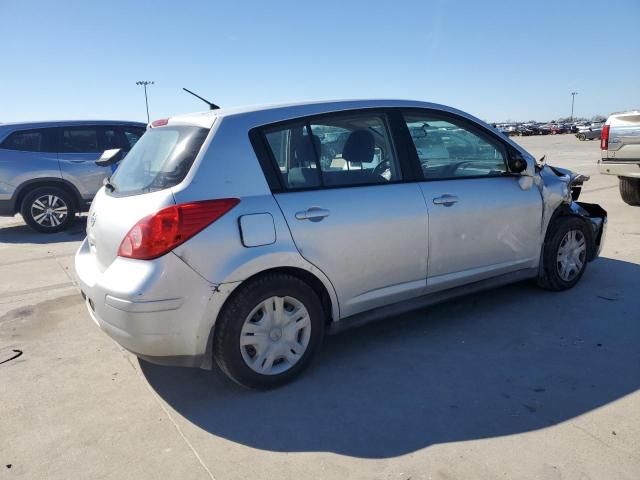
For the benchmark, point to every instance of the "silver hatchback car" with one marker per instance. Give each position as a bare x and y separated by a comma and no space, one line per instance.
243,235
48,170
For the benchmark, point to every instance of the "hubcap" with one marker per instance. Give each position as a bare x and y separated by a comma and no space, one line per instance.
572,253
275,335
49,210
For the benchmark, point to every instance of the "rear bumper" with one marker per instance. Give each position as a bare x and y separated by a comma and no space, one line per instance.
620,169
160,310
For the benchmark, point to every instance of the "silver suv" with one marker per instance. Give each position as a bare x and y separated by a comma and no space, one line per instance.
620,146
243,235
48,170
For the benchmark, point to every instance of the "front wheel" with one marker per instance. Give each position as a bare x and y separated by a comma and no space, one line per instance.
48,209
565,256
269,331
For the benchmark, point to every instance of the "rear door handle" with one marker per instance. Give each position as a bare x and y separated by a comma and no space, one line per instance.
315,214
446,200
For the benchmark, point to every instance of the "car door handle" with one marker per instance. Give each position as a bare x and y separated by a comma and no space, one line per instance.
446,200
315,214
78,161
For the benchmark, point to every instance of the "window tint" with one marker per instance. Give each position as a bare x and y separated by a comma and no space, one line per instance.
79,140
132,135
27,141
111,137
448,150
161,159
334,151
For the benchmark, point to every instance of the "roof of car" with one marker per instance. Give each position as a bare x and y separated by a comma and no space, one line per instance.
284,111
62,123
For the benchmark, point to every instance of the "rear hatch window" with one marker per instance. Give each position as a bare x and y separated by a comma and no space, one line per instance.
160,159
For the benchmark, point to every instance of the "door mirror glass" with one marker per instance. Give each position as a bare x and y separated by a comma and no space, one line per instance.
109,157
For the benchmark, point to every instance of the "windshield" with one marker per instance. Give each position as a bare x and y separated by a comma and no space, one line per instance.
160,159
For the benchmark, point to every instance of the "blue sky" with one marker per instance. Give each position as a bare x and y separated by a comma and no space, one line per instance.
496,59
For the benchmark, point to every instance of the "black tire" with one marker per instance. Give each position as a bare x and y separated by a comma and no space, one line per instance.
32,207
581,137
630,190
550,277
226,343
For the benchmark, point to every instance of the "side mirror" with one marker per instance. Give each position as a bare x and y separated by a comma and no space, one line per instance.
109,157
517,164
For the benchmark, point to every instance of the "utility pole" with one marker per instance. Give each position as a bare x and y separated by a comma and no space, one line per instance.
573,98
144,83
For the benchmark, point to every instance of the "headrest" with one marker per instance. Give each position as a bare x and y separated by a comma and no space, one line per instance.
359,147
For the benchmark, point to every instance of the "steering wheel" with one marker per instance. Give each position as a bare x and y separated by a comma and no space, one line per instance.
382,167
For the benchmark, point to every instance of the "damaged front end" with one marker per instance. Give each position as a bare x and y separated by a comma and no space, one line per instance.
560,189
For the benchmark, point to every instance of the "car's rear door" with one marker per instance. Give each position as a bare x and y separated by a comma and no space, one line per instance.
481,222
348,209
79,147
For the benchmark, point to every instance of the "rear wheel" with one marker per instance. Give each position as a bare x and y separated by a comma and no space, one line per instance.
630,190
582,137
565,256
48,209
269,331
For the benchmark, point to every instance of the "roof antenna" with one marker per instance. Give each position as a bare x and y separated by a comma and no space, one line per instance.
212,106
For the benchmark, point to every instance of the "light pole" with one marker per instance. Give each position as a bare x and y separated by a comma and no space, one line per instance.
144,83
573,99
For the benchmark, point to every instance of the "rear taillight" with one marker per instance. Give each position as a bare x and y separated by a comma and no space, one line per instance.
157,234
604,138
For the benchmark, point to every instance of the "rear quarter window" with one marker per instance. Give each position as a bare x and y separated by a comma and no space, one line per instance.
35,140
160,159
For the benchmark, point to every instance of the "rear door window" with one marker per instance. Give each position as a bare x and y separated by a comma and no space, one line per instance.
79,140
35,140
132,135
335,150
111,137
160,159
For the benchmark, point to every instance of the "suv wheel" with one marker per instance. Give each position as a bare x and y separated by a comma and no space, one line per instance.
269,331
565,254
48,209
630,190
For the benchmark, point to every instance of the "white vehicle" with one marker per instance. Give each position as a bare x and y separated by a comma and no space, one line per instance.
620,146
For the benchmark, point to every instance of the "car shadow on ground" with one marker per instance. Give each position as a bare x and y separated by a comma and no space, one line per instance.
21,233
506,361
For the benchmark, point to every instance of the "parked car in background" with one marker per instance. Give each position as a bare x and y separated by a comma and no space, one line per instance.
239,235
620,153
544,129
589,133
48,171
558,128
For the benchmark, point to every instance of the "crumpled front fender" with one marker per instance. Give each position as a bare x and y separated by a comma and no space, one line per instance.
560,189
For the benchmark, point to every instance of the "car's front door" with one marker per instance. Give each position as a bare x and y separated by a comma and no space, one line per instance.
481,222
349,213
